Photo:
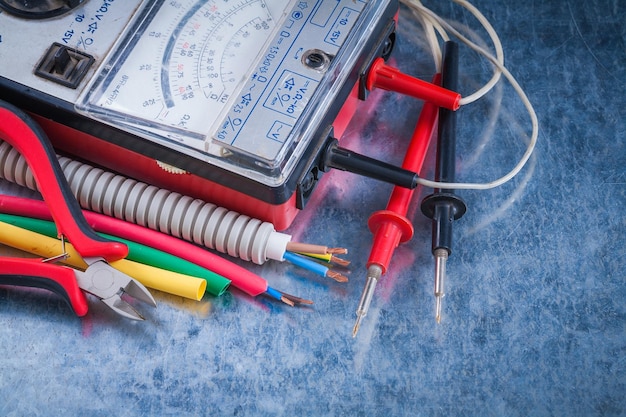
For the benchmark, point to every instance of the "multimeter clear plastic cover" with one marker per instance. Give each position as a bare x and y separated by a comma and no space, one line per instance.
238,84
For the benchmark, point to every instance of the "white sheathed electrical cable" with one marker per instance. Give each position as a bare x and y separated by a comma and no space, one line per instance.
498,62
166,211
499,53
432,21
445,26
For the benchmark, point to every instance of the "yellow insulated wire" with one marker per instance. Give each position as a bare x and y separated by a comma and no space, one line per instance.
328,257
155,278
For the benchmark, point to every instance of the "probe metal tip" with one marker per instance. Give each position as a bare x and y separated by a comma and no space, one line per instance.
357,324
438,309
441,257
373,274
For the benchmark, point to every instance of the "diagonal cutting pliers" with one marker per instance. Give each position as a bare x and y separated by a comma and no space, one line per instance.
99,279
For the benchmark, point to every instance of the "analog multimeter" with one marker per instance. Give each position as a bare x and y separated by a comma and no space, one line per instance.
231,101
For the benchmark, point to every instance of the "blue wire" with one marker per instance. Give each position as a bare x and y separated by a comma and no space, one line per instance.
306,263
274,293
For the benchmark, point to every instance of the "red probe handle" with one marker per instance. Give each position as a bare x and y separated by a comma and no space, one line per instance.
21,132
392,79
24,272
391,227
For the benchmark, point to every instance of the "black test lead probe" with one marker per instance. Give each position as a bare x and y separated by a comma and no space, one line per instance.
382,76
444,206
343,159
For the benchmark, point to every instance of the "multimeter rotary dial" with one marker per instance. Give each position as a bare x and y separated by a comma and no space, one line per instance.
39,9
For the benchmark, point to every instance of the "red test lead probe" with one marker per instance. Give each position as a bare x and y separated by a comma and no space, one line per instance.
391,227
383,76
392,79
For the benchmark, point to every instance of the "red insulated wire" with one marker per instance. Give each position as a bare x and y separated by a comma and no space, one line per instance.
240,277
391,227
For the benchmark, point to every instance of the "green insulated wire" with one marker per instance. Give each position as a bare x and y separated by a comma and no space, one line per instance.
216,284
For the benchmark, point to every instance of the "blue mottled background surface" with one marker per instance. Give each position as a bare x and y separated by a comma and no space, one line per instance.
535,316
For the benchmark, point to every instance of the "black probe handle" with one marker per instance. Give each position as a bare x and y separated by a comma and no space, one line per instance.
346,160
444,206
446,143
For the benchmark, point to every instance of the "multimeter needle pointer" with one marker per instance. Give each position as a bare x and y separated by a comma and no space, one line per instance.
444,207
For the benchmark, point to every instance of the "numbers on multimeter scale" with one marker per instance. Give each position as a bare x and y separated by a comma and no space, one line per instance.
224,77
200,60
206,55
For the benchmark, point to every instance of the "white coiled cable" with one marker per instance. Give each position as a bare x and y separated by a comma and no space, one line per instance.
167,211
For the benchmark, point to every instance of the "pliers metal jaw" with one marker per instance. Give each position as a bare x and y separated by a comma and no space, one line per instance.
109,284
99,279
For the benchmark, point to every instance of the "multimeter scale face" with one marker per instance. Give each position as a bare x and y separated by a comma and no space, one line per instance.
243,87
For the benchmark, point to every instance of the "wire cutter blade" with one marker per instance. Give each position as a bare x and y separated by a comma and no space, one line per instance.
109,284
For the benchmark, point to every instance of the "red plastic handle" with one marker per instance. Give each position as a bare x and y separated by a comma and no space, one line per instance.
35,273
19,130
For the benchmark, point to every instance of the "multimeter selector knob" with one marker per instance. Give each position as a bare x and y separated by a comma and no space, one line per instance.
39,9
